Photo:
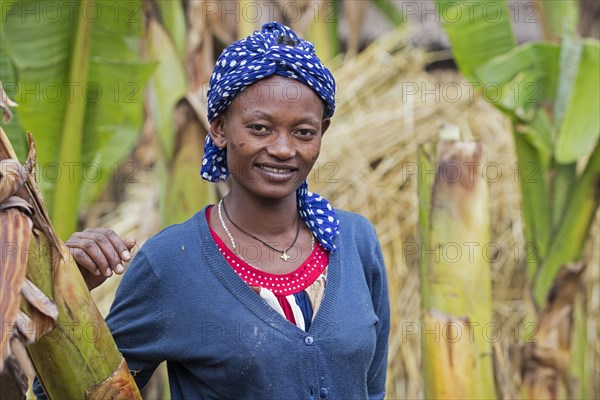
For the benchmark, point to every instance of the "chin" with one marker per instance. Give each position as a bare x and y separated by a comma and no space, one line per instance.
275,192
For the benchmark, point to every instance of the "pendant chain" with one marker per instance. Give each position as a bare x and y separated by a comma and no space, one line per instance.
284,256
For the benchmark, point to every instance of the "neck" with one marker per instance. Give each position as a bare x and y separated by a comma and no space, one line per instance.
262,216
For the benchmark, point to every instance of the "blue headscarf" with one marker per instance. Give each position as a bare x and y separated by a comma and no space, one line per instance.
275,50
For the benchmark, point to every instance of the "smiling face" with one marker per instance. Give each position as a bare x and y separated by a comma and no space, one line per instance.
272,131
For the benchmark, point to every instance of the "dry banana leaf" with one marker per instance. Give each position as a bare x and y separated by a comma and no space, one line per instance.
5,104
15,235
12,177
39,300
546,358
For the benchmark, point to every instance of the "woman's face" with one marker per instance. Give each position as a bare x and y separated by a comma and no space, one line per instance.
272,131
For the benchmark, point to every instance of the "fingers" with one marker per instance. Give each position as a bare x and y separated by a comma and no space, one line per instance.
83,260
90,247
130,243
100,251
113,247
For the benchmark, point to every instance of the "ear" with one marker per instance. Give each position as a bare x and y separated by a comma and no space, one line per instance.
325,125
217,131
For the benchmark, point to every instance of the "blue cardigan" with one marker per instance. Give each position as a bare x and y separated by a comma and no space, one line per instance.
181,302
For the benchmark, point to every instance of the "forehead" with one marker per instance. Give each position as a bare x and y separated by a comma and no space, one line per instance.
278,91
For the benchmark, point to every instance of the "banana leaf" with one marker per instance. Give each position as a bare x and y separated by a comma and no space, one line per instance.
180,157
173,19
558,17
13,128
526,76
534,190
570,57
573,228
580,128
167,86
478,31
80,80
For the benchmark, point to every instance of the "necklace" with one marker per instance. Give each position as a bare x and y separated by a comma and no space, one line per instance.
227,231
284,256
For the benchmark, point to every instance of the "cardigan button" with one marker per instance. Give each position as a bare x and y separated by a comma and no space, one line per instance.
323,392
309,340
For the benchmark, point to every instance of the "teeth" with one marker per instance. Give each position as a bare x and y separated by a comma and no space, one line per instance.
276,170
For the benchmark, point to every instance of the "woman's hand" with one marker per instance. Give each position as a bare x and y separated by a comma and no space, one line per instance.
98,252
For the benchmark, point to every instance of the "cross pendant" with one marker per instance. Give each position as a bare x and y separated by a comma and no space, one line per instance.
284,256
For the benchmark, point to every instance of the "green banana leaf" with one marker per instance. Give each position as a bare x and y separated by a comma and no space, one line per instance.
558,17
534,189
167,86
570,57
173,19
478,31
13,129
180,158
580,128
573,228
80,80
526,76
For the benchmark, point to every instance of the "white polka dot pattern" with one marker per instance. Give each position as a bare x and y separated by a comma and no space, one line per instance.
275,50
283,285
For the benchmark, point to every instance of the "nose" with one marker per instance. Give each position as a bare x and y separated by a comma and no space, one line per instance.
282,146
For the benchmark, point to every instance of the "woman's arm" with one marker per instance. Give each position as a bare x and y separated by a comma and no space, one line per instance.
137,321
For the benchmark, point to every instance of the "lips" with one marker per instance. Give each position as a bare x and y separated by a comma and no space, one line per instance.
276,170
277,173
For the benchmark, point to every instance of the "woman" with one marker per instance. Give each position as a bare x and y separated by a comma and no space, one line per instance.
271,293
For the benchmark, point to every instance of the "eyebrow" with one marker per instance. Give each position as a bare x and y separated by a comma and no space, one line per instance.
261,114
267,116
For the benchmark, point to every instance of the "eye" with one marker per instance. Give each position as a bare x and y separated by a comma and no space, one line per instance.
306,133
257,128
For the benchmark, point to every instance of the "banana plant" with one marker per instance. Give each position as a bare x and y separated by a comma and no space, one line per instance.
45,301
549,89
75,70
454,211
